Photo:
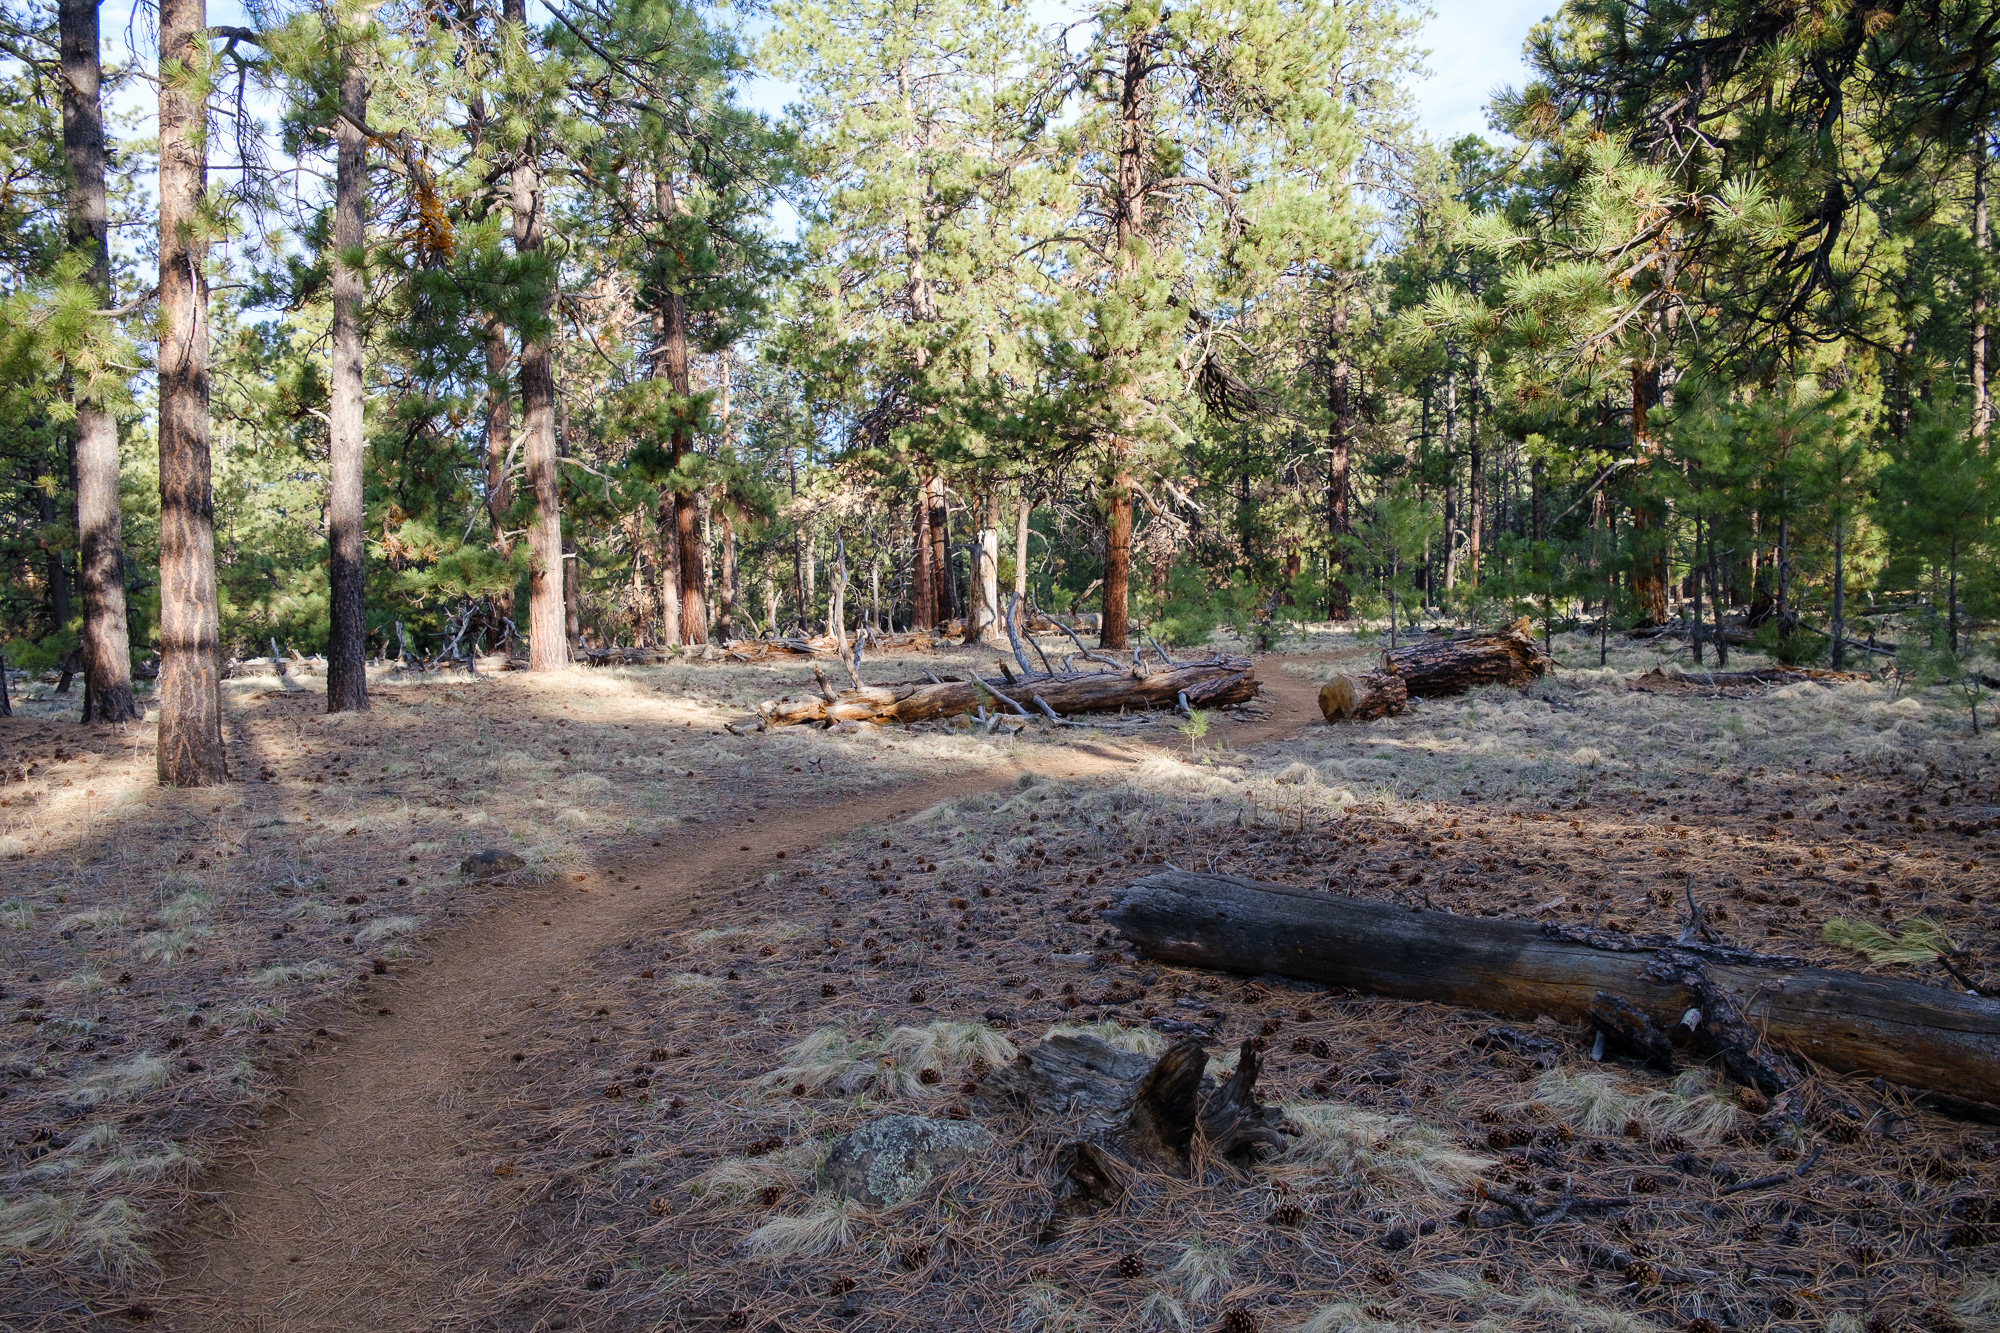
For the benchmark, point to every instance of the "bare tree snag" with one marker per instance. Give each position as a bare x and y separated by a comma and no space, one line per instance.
1217,681
1154,1113
1363,697
1905,1032
1439,668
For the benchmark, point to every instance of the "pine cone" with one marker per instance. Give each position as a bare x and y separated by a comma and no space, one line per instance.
1131,1265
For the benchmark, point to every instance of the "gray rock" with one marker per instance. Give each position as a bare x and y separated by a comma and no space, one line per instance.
887,1160
490,863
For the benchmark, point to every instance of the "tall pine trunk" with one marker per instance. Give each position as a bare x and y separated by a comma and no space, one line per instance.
190,689
1982,403
347,641
499,439
548,621
106,640
923,589
731,593
1649,564
940,554
671,356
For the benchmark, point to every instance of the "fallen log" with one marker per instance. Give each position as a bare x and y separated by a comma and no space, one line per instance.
1363,697
1660,681
1213,682
1907,1033
1452,666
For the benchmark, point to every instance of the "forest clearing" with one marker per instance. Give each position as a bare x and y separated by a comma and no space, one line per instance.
594,1091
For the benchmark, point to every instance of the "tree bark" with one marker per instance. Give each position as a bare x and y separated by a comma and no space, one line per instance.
940,554
1216,682
548,642
1649,568
1982,403
1908,1033
1437,668
1114,628
106,637
346,516
923,588
190,684
731,595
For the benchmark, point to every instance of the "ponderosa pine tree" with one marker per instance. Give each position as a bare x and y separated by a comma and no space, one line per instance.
104,640
190,685
1205,152
530,83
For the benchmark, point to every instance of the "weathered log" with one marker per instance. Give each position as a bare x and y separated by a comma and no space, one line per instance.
1438,668
1656,680
1363,697
1905,1032
1217,681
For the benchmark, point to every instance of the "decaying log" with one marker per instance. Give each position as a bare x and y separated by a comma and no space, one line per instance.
1442,667
1363,697
1907,1033
1659,681
1159,1113
1213,682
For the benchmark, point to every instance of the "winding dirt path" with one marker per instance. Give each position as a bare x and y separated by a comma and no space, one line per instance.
349,1210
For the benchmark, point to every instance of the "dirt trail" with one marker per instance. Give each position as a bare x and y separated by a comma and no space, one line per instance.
352,1209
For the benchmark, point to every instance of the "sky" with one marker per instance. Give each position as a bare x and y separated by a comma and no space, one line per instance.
1475,49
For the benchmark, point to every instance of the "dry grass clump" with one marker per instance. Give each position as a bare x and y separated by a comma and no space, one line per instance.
1921,941
827,1224
1364,1159
1694,1106
923,1062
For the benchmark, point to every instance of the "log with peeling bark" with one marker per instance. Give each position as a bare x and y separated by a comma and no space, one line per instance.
1212,682
1438,668
1731,1002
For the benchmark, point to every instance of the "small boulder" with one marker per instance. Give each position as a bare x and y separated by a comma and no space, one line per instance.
886,1161
490,863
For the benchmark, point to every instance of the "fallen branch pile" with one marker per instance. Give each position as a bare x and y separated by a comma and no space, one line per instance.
1646,995
1112,685
1658,681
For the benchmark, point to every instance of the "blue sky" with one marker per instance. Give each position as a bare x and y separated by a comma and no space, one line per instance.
1475,49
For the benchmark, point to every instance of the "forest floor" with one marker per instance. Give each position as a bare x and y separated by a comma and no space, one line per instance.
277,1064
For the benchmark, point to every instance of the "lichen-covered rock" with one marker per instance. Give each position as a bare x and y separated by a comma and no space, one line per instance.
886,1161
490,864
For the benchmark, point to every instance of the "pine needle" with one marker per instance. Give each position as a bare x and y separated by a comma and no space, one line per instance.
1922,940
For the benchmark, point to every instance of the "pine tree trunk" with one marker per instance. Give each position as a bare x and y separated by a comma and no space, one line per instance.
190,686
1113,629
1982,403
572,597
667,531
106,641
1475,487
347,647
923,601
731,595
942,601
694,574
499,439
548,643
